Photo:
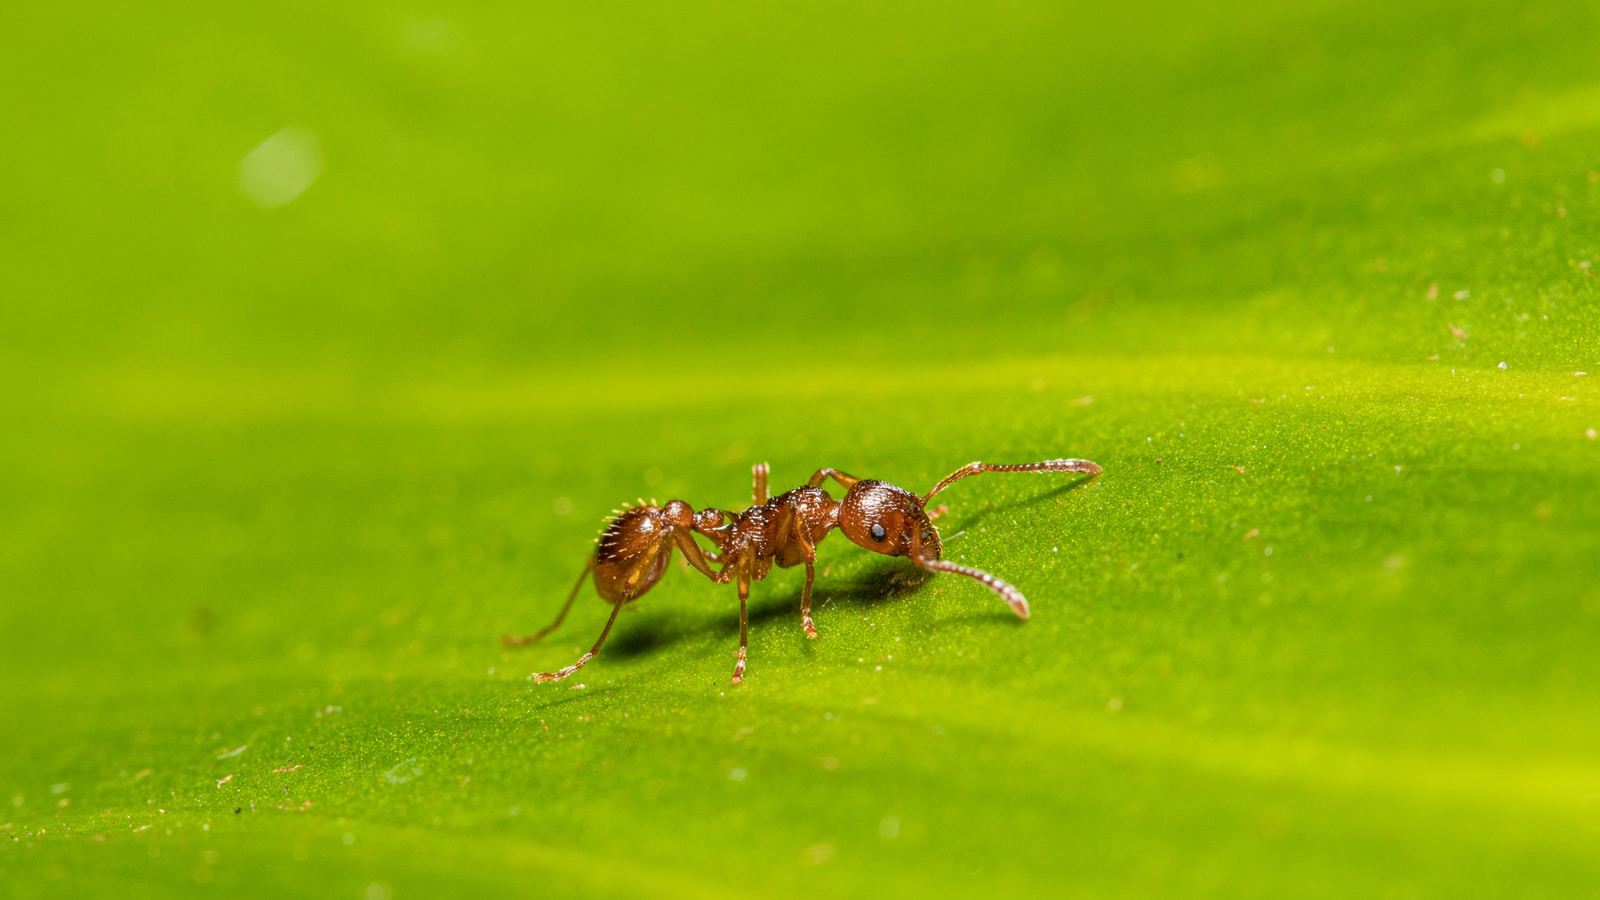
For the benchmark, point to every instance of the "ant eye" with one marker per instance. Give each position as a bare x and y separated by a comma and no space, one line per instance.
878,533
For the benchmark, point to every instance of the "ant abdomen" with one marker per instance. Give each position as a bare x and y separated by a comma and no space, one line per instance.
632,554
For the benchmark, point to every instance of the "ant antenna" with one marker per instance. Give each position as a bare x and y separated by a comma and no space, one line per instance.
1012,596
1049,465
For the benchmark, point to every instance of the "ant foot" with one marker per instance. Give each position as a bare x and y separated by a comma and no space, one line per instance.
541,677
738,668
811,629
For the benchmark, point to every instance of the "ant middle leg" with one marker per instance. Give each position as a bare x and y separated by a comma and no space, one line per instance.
744,624
809,550
805,601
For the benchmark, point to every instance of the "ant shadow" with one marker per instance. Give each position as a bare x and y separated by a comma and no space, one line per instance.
983,512
888,580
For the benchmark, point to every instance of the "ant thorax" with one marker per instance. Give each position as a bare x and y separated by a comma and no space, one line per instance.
779,529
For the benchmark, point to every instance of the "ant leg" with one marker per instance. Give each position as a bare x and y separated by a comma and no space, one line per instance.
744,625
759,472
810,552
1050,465
805,601
821,475
562,673
696,556
522,640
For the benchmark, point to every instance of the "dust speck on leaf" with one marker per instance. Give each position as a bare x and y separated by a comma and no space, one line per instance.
402,772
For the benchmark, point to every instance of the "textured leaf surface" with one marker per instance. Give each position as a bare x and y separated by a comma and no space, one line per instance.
1315,285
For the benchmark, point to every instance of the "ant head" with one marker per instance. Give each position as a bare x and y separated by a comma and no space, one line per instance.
889,520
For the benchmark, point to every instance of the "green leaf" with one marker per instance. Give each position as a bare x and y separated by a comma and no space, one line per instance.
296,428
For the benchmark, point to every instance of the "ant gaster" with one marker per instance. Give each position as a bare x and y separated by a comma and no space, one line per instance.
633,550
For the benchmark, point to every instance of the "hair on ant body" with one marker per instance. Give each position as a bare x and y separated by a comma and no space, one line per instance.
633,550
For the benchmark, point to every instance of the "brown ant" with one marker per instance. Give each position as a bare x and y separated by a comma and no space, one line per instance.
633,550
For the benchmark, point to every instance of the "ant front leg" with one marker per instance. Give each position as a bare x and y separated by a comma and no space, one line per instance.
696,557
821,475
805,599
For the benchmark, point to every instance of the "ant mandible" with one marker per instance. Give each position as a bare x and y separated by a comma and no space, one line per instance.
633,550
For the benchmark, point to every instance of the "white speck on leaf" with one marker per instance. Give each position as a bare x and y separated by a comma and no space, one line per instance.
402,772
281,167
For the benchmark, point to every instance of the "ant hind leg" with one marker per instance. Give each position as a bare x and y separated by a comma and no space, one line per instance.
758,474
562,673
523,640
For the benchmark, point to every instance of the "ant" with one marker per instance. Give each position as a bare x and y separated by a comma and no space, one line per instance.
632,552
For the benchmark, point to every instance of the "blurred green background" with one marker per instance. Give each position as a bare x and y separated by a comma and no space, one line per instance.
327,335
